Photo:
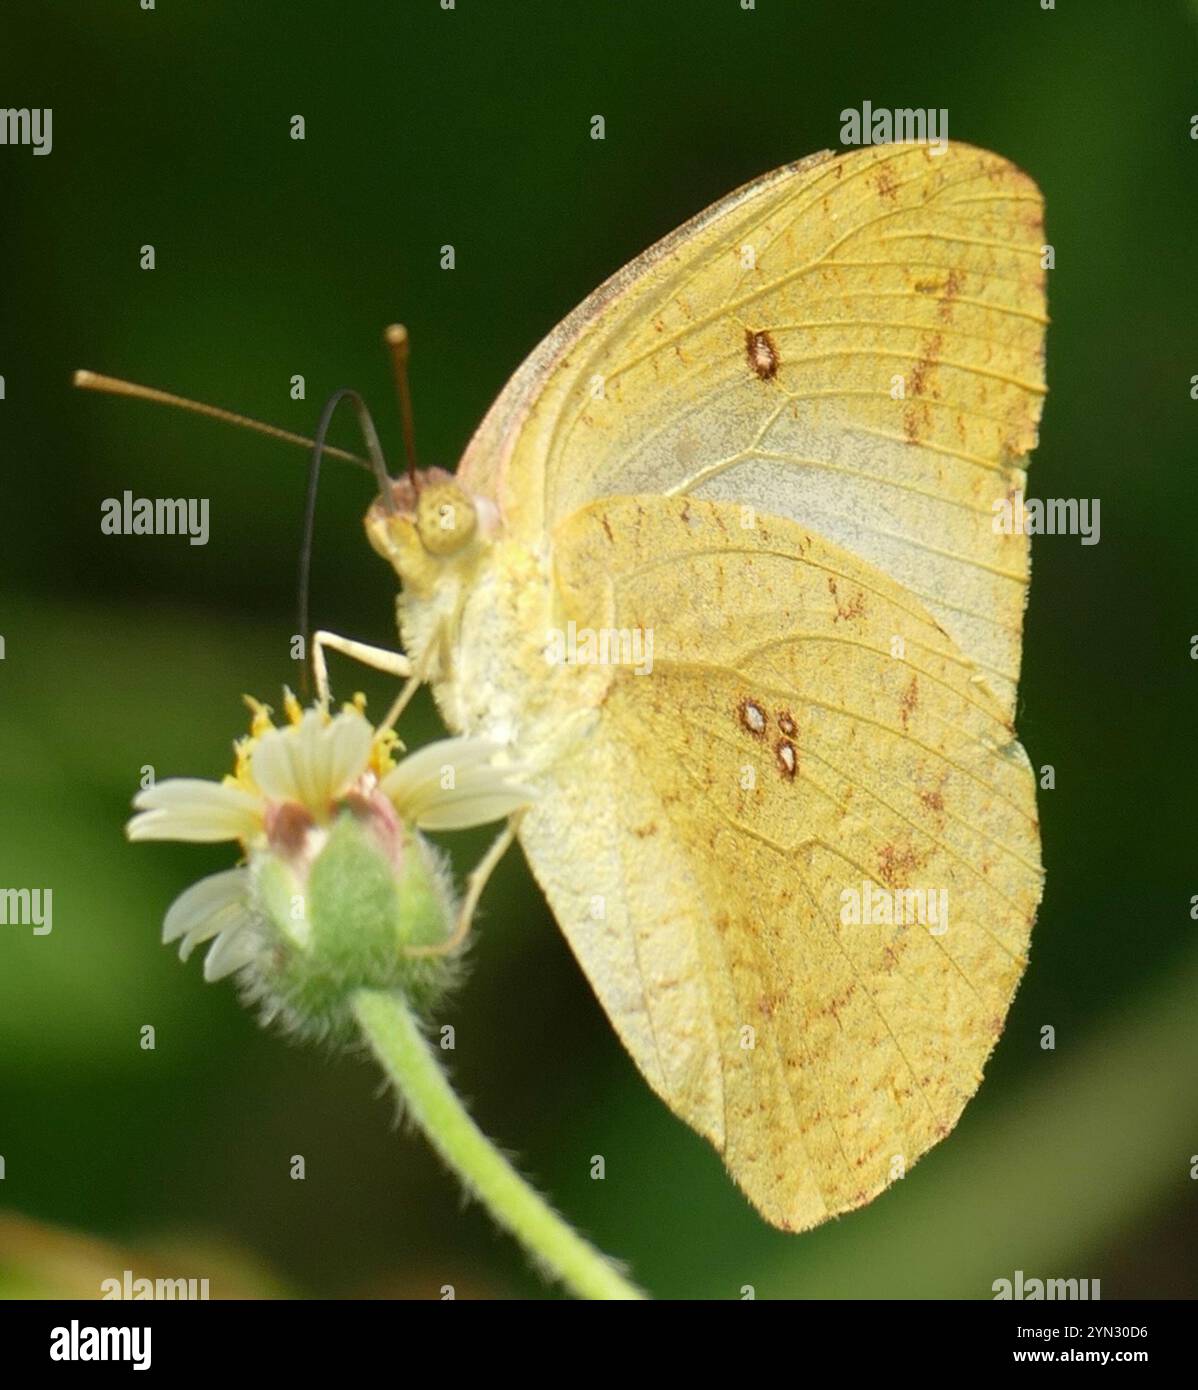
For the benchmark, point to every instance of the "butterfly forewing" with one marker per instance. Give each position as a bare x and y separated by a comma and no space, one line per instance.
855,343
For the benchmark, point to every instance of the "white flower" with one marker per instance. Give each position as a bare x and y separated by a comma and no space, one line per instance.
288,785
308,766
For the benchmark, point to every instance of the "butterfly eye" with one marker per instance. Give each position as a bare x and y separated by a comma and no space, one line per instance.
445,518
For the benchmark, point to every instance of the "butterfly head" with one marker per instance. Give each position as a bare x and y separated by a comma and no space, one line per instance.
427,524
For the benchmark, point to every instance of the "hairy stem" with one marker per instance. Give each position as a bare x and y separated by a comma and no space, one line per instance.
395,1035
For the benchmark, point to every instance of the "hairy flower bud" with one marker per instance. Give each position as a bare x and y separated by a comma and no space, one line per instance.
338,885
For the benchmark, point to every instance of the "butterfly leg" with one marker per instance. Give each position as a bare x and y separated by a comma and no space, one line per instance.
474,890
400,703
418,674
377,658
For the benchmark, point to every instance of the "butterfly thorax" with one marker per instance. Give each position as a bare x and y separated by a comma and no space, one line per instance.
478,614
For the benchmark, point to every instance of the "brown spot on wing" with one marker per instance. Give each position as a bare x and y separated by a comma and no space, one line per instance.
930,359
886,183
762,353
897,863
952,288
838,1002
909,700
752,717
917,421
854,608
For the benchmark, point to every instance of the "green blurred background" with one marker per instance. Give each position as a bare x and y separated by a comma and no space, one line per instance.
276,257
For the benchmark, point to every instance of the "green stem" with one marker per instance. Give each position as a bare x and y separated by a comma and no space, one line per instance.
394,1033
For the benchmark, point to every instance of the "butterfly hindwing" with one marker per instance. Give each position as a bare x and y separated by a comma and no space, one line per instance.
805,737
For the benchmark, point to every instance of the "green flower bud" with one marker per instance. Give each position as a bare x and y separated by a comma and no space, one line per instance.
338,890
350,929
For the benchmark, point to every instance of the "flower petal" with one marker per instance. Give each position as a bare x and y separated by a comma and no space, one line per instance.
217,904
189,808
312,762
271,767
350,739
481,786
458,812
230,951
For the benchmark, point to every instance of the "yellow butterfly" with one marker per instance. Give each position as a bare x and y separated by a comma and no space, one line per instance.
720,569
774,442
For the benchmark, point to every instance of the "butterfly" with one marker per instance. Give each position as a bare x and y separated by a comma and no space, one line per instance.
720,571
774,443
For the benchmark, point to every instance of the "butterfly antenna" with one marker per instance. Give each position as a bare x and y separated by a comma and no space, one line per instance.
114,386
379,465
396,338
